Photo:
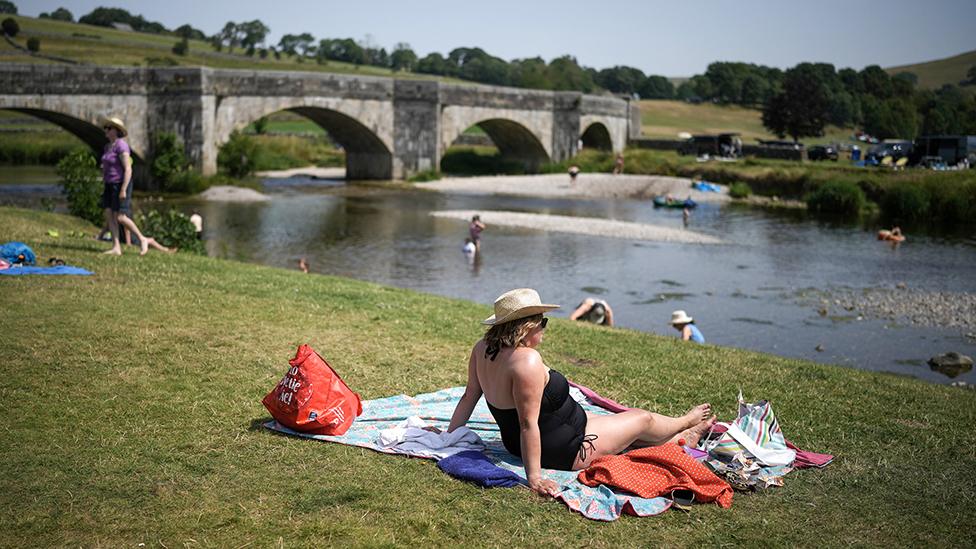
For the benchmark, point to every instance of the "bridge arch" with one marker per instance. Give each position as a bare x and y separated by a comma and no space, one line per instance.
364,129
89,132
520,136
597,136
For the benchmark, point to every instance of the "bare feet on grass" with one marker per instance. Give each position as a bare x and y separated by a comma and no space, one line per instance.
143,246
113,251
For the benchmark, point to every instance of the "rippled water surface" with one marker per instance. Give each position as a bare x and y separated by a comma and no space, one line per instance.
758,291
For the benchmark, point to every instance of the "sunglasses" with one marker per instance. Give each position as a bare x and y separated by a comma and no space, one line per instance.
107,128
545,320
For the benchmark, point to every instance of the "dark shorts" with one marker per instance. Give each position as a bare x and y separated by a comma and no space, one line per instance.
110,199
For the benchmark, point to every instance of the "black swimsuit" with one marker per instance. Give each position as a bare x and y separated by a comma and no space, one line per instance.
562,426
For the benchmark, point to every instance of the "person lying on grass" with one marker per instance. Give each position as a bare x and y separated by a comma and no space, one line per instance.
538,420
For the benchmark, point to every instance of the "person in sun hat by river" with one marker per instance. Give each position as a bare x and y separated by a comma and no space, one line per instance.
686,325
538,419
117,194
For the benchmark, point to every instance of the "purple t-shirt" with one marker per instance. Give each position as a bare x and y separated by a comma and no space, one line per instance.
113,165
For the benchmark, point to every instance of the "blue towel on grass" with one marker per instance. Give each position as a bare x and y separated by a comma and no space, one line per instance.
600,503
59,270
474,466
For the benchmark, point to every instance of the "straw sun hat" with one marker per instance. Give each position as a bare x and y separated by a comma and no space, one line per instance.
680,317
516,304
115,123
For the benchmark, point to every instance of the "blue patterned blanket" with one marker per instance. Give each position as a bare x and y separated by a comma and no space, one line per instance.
600,503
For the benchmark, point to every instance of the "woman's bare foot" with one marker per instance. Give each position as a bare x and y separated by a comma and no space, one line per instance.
693,435
113,251
143,246
697,415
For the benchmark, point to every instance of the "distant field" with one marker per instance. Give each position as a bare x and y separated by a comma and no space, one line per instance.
666,119
934,74
103,46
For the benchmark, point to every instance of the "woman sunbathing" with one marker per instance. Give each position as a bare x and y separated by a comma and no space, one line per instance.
538,419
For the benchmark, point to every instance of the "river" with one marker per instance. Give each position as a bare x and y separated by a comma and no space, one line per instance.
771,287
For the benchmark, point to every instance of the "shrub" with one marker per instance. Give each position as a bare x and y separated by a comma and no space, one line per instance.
181,47
906,201
82,185
10,27
170,168
739,190
261,125
239,156
161,62
34,44
837,197
171,229
421,177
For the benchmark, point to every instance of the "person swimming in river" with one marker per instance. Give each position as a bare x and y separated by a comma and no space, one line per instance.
894,235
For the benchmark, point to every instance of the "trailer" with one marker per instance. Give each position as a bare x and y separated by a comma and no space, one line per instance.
952,149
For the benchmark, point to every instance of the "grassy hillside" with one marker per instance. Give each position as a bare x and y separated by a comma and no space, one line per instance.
104,46
665,119
934,74
132,416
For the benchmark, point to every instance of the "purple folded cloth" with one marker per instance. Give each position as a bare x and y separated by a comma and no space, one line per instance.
474,466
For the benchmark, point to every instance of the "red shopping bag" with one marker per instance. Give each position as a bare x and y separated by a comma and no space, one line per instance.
312,398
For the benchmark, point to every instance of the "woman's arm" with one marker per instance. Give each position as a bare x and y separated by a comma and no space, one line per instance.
686,333
528,383
583,308
462,412
127,177
609,314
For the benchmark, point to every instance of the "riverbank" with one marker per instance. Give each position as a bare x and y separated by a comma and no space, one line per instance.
133,416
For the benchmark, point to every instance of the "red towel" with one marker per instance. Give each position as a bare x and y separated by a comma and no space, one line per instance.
657,471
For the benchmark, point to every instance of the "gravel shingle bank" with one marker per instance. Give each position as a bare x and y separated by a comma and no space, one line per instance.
588,185
581,225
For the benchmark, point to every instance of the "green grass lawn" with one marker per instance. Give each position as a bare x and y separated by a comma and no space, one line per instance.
935,74
665,119
105,46
132,410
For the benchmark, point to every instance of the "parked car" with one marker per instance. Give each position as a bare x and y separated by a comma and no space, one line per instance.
822,152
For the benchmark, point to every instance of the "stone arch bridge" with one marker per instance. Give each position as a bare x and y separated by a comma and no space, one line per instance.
389,128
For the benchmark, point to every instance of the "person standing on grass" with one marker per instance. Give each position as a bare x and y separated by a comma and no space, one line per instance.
117,196
474,229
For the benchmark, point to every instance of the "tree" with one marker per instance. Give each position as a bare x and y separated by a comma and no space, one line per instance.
403,58
106,17
434,63
10,27
8,7
875,81
34,44
890,118
621,79
566,74
529,73
656,87
190,33
181,47
253,33
232,35
293,43
800,109
59,14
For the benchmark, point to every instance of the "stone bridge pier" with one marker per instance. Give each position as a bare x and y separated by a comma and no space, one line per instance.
388,128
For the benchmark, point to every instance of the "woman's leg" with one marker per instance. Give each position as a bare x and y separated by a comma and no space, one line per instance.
113,226
614,433
131,225
153,243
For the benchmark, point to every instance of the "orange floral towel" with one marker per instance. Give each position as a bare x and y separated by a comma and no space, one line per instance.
657,471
